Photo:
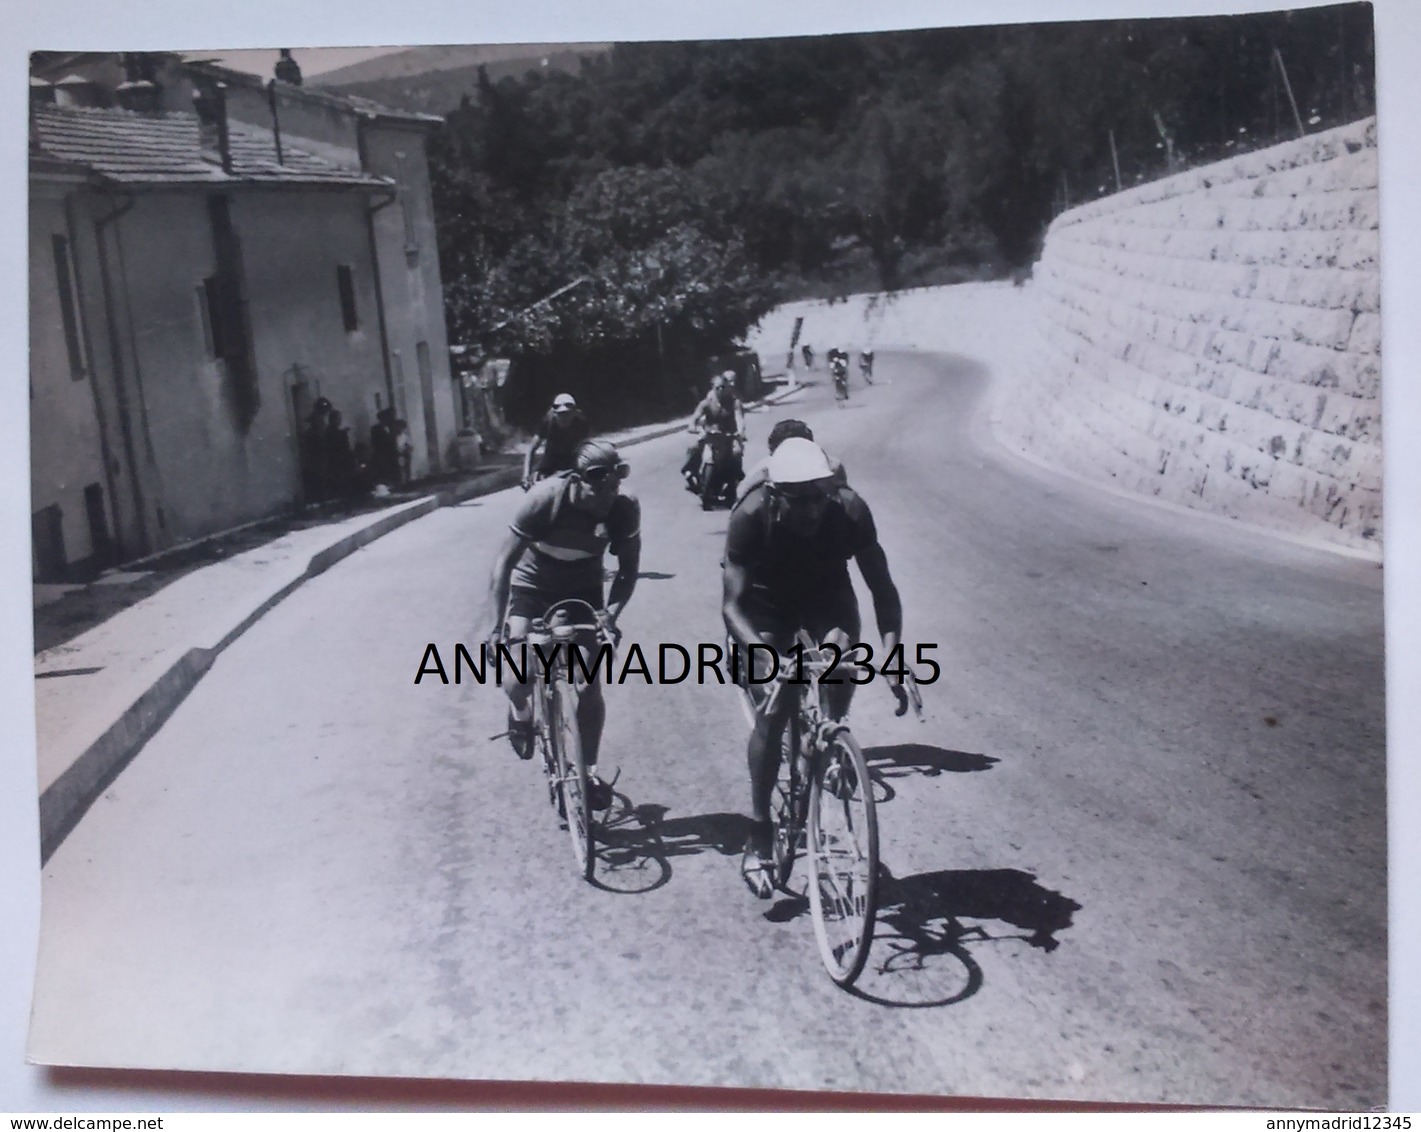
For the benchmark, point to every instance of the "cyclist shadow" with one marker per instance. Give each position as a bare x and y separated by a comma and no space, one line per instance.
921,954
636,843
901,760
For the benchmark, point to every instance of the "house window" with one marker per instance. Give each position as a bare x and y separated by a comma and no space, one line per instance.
203,295
407,205
220,325
345,282
68,308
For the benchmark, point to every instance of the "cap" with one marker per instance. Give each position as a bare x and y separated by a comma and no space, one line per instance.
797,460
596,454
563,401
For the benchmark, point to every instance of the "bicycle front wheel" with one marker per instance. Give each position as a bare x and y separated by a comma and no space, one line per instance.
842,847
572,778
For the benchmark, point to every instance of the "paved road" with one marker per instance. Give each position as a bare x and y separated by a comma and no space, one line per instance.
1137,852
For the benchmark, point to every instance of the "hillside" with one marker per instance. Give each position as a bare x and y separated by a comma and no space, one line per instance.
434,79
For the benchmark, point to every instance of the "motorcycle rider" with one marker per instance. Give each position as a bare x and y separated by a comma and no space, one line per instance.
721,408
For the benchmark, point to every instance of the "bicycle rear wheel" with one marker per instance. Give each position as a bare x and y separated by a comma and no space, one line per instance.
843,858
572,778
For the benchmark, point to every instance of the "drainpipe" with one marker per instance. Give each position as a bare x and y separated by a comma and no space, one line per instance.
105,452
120,388
275,118
375,264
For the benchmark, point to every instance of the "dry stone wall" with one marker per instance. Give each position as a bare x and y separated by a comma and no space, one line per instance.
1214,339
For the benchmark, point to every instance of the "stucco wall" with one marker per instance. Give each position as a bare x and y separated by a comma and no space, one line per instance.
1214,339
65,449
414,294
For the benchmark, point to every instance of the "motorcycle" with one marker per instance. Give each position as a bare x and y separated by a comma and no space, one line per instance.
839,367
718,472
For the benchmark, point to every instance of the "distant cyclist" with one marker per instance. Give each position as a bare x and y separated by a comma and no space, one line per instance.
787,550
559,433
866,364
554,552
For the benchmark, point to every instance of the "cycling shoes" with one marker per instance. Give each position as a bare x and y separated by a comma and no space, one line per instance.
520,735
599,793
757,866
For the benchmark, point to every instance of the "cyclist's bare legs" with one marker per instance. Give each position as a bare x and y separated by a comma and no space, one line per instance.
591,715
838,696
762,754
517,691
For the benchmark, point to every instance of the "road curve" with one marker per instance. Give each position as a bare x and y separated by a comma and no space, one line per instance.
1137,852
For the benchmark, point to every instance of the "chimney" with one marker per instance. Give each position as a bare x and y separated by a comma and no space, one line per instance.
138,91
76,90
210,102
287,69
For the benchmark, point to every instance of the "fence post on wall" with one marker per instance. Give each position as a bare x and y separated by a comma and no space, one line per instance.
1115,160
1288,89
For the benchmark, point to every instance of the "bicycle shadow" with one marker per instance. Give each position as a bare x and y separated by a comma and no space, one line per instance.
900,760
636,843
921,955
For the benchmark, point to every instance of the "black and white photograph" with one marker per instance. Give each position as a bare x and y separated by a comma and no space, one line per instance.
831,561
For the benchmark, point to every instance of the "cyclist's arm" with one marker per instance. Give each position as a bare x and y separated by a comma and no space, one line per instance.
887,605
735,582
739,417
628,566
499,580
533,450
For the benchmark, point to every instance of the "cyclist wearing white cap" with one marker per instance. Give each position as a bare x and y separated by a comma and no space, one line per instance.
787,552
553,552
559,433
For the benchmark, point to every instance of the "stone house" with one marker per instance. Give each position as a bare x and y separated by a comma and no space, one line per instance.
208,255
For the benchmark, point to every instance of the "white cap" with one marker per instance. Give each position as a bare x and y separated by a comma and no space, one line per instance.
564,401
797,460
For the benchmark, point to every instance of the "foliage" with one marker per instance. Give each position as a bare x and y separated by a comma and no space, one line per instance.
668,193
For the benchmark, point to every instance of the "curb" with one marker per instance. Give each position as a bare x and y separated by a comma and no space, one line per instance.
68,798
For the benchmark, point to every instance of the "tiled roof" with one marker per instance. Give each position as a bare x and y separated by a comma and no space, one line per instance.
159,149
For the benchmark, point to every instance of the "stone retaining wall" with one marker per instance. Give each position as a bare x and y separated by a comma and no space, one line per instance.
1214,339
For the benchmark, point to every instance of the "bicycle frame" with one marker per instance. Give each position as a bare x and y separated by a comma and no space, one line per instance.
556,695
819,755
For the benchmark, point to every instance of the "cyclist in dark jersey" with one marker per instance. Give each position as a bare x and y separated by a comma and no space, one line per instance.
559,433
553,552
787,553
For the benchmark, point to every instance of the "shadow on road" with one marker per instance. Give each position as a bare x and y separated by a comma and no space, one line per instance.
899,760
921,949
637,843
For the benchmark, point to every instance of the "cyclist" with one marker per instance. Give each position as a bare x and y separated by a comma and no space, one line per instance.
559,433
720,408
554,552
866,364
782,431
787,551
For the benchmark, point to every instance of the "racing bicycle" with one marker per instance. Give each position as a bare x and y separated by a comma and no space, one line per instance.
823,805
557,687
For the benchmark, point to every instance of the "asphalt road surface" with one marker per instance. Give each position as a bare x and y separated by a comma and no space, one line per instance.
1136,852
